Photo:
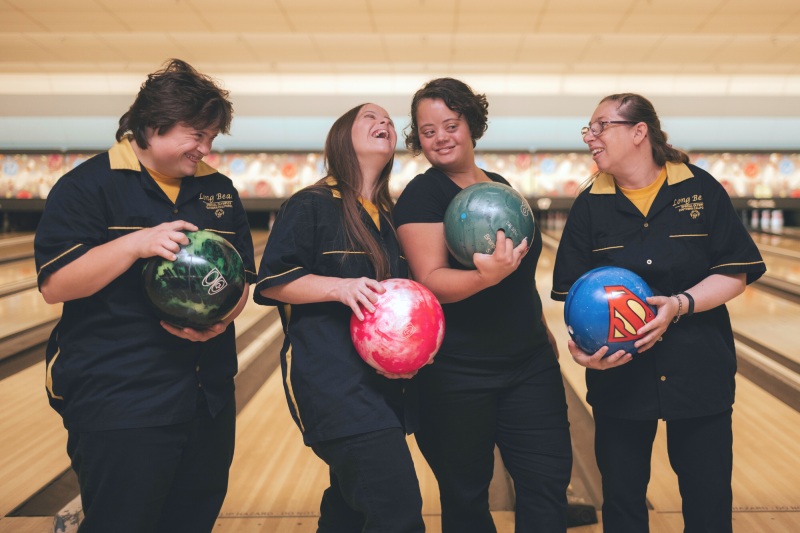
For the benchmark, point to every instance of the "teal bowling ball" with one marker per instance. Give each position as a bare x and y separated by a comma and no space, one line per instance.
476,214
201,287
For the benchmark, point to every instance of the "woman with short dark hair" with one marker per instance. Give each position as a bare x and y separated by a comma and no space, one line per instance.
330,246
496,378
649,211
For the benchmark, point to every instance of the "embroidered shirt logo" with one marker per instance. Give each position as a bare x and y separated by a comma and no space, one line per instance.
217,202
693,204
214,281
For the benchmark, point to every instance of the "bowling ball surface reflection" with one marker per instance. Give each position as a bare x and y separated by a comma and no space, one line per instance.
201,287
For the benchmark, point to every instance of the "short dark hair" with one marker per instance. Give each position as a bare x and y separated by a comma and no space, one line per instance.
458,97
176,94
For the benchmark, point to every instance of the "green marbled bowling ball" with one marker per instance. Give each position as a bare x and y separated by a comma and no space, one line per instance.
474,216
201,287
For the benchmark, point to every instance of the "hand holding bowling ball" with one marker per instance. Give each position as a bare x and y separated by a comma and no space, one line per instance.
475,216
197,290
164,240
403,333
505,259
607,310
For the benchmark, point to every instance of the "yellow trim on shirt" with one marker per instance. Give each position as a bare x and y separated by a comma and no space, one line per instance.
289,387
57,258
736,264
609,248
49,378
372,211
122,157
170,186
643,198
676,173
279,275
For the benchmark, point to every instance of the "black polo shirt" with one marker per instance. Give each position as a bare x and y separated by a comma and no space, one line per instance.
110,364
330,390
690,232
494,338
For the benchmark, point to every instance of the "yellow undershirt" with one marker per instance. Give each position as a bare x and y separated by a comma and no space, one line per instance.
643,198
170,186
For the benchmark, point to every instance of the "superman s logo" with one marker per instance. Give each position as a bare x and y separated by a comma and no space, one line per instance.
627,313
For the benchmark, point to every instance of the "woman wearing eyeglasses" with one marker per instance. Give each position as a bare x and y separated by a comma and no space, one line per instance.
649,211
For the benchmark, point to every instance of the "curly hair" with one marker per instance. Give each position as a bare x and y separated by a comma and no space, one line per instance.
458,97
176,94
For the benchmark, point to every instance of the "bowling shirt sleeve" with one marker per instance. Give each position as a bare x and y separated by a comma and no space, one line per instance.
73,222
732,249
290,251
574,255
243,240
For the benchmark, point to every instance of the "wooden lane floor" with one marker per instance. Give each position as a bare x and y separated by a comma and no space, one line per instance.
33,439
777,244
276,482
766,496
770,321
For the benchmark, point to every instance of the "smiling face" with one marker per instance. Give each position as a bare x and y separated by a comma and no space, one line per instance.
373,133
444,136
177,152
617,141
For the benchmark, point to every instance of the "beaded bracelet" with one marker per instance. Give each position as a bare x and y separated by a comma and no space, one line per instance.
680,308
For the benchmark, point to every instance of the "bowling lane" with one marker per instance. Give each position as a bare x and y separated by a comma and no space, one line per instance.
275,476
32,435
766,433
777,244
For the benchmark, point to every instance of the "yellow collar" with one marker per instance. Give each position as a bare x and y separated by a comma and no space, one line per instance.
373,212
676,173
122,157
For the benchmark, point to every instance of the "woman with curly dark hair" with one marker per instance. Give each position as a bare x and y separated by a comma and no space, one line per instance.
496,378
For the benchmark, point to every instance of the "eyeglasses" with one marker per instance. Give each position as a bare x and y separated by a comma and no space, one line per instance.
597,127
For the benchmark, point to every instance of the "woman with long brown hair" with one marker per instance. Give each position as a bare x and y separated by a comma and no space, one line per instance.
648,210
330,246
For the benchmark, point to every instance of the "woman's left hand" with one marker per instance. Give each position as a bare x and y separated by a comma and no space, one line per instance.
667,308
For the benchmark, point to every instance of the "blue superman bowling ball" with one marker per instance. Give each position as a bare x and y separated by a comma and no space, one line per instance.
605,307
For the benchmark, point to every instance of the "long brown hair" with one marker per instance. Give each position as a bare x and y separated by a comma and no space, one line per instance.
637,108
176,94
341,164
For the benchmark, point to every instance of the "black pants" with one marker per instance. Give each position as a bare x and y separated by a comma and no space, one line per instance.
529,424
700,452
155,479
374,487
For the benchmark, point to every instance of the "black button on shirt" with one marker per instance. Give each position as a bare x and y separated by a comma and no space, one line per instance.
330,390
110,364
691,232
496,337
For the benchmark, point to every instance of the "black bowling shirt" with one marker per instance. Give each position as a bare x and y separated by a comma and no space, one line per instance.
110,364
690,233
330,390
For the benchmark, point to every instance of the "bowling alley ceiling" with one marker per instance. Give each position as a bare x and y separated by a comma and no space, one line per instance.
637,37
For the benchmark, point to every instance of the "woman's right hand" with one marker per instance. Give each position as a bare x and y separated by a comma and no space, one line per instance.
352,291
163,240
503,261
597,361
